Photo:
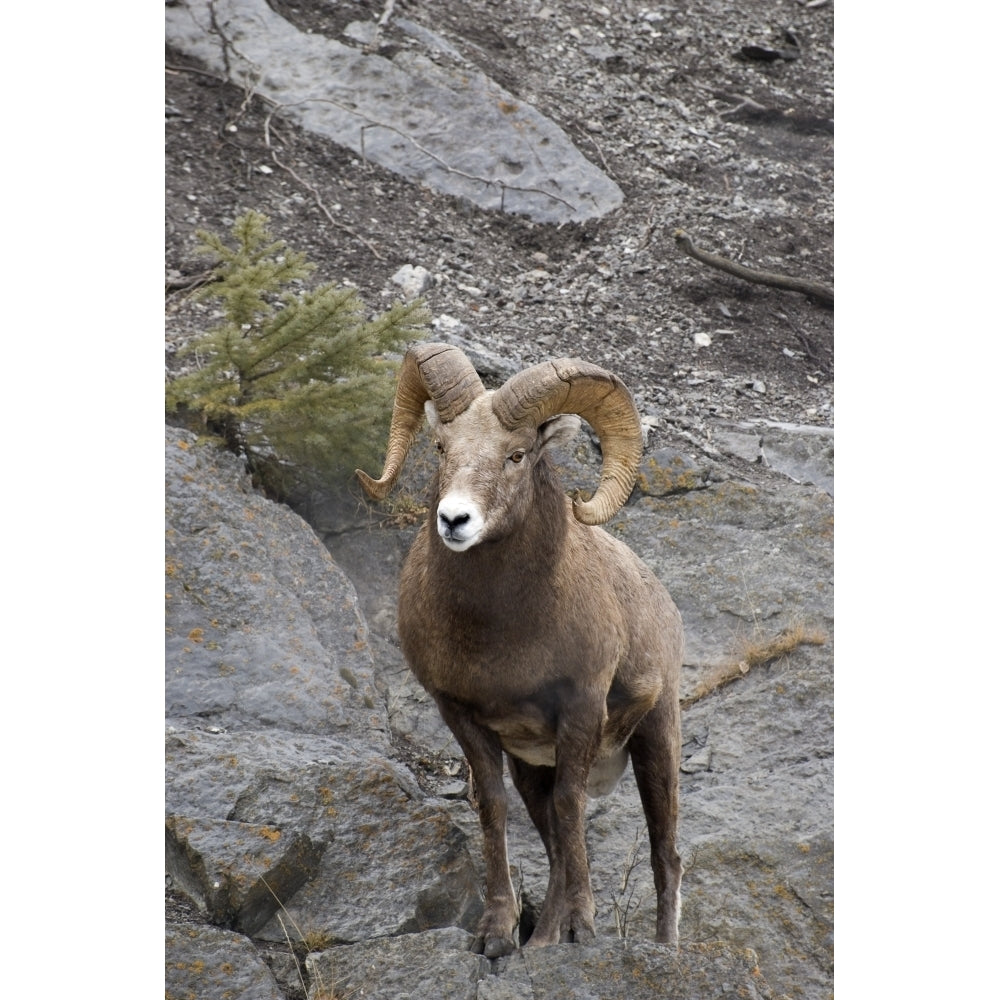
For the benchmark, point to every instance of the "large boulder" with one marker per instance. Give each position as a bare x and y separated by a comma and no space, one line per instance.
205,963
438,964
283,806
425,112
263,629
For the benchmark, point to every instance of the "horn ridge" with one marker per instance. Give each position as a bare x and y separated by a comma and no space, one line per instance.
429,371
570,385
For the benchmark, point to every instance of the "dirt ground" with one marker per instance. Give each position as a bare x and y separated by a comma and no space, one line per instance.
712,116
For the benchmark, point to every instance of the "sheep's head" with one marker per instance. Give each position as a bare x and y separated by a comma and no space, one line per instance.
491,441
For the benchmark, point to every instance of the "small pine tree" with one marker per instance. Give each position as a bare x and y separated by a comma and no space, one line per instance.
298,383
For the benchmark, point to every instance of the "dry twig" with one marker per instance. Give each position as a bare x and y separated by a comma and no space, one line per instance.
488,181
804,341
189,282
822,293
743,103
622,903
600,152
311,188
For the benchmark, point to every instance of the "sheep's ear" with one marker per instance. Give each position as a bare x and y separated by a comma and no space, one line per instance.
433,419
559,431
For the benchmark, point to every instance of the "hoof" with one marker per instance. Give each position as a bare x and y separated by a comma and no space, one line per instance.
668,940
496,934
576,930
497,947
582,935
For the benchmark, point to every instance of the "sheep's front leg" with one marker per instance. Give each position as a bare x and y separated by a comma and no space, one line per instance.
568,910
497,928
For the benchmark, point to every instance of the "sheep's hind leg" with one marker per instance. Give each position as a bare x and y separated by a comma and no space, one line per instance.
655,762
534,783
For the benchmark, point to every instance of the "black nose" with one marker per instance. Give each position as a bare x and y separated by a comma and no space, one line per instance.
451,523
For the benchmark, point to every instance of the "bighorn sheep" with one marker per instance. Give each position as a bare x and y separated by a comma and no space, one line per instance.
536,633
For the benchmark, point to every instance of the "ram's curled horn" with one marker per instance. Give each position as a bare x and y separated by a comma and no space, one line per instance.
429,371
573,386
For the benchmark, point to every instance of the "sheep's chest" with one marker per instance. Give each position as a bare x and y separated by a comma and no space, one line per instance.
526,733
530,737
528,725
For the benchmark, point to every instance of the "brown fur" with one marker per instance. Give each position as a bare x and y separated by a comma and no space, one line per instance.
549,640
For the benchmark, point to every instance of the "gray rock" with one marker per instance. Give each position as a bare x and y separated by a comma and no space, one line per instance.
413,280
603,54
262,626
209,963
493,368
360,855
238,872
438,964
431,39
803,453
265,799
365,32
302,830
638,970
447,126
427,966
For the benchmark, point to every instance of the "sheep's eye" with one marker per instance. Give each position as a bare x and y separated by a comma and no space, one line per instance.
517,457
439,446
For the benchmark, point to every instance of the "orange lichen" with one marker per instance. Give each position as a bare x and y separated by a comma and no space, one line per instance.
661,480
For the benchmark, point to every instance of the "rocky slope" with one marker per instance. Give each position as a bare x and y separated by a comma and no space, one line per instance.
315,804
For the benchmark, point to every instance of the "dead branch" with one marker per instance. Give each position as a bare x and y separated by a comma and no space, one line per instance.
174,70
743,103
249,92
822,293
189,282
600,152
488,181
804,341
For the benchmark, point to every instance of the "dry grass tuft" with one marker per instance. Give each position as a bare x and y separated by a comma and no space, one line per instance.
755,653
311,940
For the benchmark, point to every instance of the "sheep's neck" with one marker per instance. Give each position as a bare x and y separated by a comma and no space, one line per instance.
496,580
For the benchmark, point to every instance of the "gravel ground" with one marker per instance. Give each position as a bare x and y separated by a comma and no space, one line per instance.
712,116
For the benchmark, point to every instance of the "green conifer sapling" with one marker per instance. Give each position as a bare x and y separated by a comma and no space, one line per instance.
293,380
